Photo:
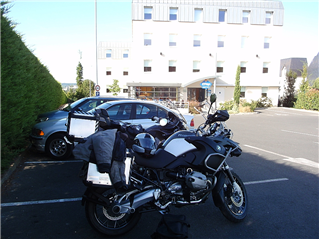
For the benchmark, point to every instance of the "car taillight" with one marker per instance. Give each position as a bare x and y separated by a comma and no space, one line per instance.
192,123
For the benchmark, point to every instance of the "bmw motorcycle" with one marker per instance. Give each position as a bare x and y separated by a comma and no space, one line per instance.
185,170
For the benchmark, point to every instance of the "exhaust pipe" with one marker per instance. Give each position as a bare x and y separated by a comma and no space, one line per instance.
139,200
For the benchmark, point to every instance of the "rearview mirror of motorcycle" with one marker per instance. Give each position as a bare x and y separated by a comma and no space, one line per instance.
213,98
163,122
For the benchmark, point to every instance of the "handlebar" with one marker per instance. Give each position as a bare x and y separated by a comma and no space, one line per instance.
217,128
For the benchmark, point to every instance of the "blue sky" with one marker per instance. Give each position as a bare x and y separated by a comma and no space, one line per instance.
57,29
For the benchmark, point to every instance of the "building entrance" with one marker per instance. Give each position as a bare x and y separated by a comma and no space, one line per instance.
195,94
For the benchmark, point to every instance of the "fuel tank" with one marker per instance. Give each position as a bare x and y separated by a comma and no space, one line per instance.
173,152
184,148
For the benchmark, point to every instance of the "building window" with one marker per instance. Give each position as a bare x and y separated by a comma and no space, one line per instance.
242,92
266,42
196,66
222,16
268,17
264,91
243,67
265,67
198,15
221,41
246,15
244,40
197,40
173,14
147,65
125,71
108,53
108,71
172,39
172,66
148,13
147,39
156,93
220,67
125,53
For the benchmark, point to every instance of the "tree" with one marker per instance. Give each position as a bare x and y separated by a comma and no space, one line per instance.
115,88
304,85
237,86
79,74
316,84
289,89
86,87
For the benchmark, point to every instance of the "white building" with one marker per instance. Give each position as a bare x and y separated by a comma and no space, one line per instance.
114,62
179,44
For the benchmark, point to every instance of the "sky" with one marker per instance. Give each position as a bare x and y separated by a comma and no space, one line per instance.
61,33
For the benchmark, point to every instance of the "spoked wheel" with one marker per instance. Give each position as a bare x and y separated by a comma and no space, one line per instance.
235,203
104,220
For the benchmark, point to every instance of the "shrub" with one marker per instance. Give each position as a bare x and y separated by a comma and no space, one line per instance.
227,105
193,104
245,107
28,89
308,100
264,102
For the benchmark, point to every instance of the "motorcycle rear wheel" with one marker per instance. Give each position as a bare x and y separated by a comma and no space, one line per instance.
108,223
235,203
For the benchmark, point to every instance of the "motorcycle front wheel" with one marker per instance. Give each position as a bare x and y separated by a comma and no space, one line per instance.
105,221
235,200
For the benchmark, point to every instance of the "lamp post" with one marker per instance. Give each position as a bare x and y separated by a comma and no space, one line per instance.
96,66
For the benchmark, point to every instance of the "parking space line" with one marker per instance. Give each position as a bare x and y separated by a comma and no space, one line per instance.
44,162
299,133
10,204
267,181
249,146
302,161
27,203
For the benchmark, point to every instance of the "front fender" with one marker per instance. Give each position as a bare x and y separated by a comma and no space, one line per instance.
218,192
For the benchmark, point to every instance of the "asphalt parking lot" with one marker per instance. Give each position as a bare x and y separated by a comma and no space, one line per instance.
279,167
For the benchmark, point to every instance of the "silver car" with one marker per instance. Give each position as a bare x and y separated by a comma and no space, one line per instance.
48,136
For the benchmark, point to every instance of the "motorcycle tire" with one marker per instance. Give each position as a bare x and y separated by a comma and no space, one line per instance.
107,222
235,201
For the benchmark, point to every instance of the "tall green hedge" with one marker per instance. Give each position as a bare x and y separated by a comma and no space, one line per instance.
27,89
308,100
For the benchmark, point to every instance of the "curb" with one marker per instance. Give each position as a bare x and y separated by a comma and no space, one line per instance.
12,168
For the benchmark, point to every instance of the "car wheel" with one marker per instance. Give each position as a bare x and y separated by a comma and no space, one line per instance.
56,147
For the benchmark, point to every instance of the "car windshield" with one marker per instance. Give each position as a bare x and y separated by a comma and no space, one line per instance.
73,105
102,106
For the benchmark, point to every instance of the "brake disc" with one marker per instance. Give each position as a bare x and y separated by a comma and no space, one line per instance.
107,213
237,195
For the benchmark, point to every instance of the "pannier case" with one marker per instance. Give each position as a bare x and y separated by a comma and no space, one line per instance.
82,124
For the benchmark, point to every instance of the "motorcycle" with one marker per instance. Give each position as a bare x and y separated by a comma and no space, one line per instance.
184,170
